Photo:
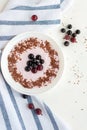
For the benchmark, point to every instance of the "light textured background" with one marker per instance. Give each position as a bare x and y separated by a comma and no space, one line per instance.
68,100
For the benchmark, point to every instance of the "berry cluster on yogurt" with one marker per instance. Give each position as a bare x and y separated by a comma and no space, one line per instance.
34,64
70,35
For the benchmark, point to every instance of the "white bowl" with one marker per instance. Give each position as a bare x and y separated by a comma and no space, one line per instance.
4,64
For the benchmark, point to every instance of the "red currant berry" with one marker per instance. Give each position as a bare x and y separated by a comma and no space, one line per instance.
30,106
73,39
40,67
38,111
34,17
34,70
67,37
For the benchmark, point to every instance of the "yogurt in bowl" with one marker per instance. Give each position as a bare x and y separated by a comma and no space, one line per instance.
40,77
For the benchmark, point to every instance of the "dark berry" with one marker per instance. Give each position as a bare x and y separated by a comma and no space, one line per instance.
40,67
41,61
34,17
77,31
38,57
34,60
34,65
66,43
25,96
74,35
67,37
73,39
69,26
27,68
34,70
29,63
38,111
69,32
30,56
37,62
63,30
31,106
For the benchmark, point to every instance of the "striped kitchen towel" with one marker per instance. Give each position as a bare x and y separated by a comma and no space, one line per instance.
16,18
15,114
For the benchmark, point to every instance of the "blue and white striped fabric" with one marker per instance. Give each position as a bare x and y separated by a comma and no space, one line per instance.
16,18
15,115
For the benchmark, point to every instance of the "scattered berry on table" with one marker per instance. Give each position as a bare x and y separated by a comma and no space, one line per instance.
73,39
69,26
31,106
25,96
38,111
70,36
67,37
66,43
78,31
74,35
69,32
63,30
34,17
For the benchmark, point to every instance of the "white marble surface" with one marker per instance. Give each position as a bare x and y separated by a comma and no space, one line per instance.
68,100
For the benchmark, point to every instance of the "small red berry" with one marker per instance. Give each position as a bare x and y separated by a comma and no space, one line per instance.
73,39
30,106
40,67
34,17
67,37
38,111
34,70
